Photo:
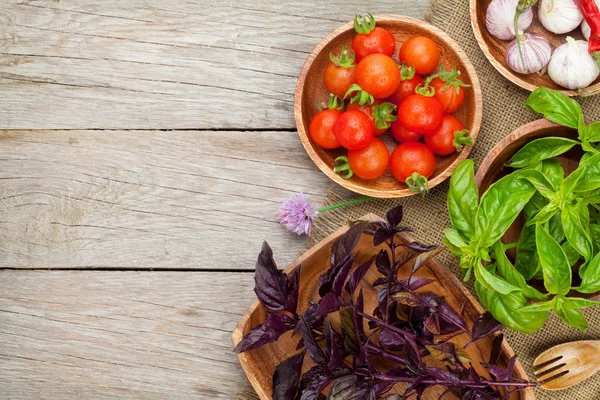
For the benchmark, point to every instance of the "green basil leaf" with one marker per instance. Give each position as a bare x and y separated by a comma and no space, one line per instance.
541,183
493,281
541,149
455,238
591,177
457,251
541,306
595,234
555,106
534,206
506,310
586,156
553,171
576,233
578,302
593,132
544,215
572,181
572,255
590,277
500,205
555,227
570,315
462,198
557,272
512,276
527,259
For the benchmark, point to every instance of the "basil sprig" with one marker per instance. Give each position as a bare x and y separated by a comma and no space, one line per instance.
561,229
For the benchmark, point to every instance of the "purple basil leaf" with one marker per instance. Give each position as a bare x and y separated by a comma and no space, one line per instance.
412,356
350,335
270,283
382,262
291,303
432,324
314,381
346,243
495,371
380,281
358,319
496,351
422,258
390,340
310,317
328,304
446,312
314,350
357,276
347,388
269,331
379,388
420,248
484,325
300,344
415,386
286,378
382,235
412,283
335,348
394,216
511,366
342,274
444,377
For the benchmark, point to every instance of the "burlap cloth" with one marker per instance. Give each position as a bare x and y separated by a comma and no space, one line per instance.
503,111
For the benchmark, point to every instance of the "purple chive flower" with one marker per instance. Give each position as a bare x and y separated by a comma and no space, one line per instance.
297,214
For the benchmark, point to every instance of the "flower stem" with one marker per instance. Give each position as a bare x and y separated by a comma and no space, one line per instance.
348,203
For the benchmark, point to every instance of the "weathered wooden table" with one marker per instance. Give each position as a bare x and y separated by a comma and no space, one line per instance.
145,146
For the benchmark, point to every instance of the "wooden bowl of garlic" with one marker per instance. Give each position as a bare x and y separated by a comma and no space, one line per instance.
553,42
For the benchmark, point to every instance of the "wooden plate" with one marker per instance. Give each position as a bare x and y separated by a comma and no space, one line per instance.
310,89
259,364
495,49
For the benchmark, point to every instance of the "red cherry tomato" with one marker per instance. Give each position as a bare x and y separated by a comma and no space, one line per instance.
367,109
406,88
402,134
420,114
421,53
339,79
379,75
320,129
449,99
443,141
413,163
354,130
378,41
369,162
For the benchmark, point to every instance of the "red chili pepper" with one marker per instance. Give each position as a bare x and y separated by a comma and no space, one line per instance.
591,13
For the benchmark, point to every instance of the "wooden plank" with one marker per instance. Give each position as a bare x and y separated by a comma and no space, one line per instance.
121,335
149,199
152,64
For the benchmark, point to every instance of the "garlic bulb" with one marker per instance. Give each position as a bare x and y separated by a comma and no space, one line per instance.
559,16
536,53
500,19
571,65
585,27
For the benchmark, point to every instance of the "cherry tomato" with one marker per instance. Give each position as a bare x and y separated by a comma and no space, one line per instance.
443,140
449,99
354,130
420,114
413,163
406,88
369,162
402,134
340,74
320,129
421,53
379,75
367,109
378,41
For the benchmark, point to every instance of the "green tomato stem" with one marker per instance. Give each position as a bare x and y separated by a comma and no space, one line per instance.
348,203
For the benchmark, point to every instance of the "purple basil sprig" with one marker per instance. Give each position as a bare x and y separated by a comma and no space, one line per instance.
408,329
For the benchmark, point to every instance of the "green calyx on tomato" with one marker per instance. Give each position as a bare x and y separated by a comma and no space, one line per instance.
383,115
345,59
461,139
449,77
417,183
364,25
362,96
406,72
342,167
334,103
561,229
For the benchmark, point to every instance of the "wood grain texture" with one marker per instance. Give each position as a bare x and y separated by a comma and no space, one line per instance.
259,364
495,50
149,199
309,87
121,335
162,63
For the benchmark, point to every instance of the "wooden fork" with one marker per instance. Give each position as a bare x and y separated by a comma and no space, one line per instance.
567,364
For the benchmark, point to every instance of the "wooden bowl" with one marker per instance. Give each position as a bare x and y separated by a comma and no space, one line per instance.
259,364
495,50
310,89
